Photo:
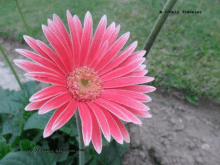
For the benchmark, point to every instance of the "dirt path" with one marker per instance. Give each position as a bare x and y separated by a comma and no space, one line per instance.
178,133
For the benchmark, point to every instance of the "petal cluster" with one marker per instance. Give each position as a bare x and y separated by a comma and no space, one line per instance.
89,73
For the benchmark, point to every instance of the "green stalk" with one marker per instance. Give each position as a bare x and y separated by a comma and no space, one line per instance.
158,25
11,67
23,19
81,143
19,82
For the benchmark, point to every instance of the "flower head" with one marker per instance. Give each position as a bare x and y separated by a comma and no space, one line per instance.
90,73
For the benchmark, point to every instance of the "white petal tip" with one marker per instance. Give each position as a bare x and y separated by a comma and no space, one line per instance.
26,108
99,150
135,43
54,16
88,13
148,115
47,133
54,127
104,17
49,21
108,138
127,140
40,112
26,37
15,61
86,143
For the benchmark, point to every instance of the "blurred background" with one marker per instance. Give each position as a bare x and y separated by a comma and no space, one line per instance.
185,61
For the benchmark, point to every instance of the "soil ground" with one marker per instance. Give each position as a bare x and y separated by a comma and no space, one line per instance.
178,133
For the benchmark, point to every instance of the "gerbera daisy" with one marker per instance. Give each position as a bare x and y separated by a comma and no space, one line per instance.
88,73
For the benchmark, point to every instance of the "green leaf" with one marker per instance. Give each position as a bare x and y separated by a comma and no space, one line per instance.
72,140
121,148
7,104
4,149
28,158
11,126
14,102
2,138
70,127
94,161
26,144
61,156
65,129
88,157
111,154
38,121
62,149
15,141
117,161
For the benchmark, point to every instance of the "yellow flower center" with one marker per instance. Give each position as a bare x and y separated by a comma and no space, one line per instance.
84,84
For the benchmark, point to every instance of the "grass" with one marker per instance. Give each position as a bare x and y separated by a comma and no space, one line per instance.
185,55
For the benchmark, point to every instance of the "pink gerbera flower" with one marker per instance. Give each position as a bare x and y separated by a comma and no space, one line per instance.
89,73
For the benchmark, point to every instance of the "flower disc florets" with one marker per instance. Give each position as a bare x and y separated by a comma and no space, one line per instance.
84,84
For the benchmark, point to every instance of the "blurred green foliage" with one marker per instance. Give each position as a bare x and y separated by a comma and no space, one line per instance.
185,55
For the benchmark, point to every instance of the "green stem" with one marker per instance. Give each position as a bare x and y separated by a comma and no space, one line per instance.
158,25
81,143
23,19
11,67
19,82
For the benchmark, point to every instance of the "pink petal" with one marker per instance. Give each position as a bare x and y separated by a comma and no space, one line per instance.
114,129
140,113
135,55
101,53
119,72
39,59
136,73
56,30
56,102
114,36
96,134
58,46
132,117
52,55
48,92
109,31
33,67
75,36
48,129
86,38
125,100
32,43
66,115
135,95
36,105
46,77
101,119
119,59
126,81
122,128
129,60
107,105
62,29
113,50
138,88
140,68
86,122
97,40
